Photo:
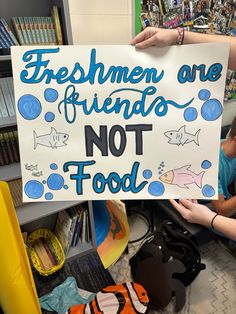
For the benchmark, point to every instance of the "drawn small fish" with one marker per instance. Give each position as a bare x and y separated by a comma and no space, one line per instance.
37,174
122,298
182,177
31,167
53,139
182,137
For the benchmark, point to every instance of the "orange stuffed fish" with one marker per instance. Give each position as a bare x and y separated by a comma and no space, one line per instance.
128,298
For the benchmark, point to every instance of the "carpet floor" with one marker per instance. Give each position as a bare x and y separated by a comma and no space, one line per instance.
212,292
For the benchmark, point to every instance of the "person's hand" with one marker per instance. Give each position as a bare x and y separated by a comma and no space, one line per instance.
194,212
152,36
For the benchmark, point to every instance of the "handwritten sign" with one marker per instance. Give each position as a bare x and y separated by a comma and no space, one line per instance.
113,122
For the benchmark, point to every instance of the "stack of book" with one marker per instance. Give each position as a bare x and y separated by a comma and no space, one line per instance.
7,99
9,147
15,187
45,253
72,227
7,38
31,30
35,30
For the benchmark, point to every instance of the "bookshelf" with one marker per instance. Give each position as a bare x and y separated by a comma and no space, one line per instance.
40,214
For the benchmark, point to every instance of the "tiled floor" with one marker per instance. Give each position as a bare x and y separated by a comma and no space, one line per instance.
212,292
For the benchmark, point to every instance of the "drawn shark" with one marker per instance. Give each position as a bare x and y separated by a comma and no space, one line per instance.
53,139
182,137
182,177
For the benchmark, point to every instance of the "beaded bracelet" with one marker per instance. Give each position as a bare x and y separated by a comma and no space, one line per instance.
180,38
213,221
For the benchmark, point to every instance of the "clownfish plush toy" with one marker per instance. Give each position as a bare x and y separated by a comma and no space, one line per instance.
128,298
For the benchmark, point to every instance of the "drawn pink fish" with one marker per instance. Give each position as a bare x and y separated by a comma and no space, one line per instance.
182,177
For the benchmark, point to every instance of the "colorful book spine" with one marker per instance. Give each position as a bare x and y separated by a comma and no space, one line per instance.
56,18
45,30
37,32
23,29
49,30
4,150
18,30
6,35
28,29
53,30
10,32
32,28
9,81
3,106
4,42
40,24
7,97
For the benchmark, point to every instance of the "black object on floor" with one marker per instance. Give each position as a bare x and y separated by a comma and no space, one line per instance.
87,269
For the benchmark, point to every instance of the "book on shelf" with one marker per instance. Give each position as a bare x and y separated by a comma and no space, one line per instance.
6,85
8,30
18,31
9,147
28,30
56,19
15,187
78,226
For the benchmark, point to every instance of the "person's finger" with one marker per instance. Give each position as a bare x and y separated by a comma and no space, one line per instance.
179,207
186,203
139,38
146,43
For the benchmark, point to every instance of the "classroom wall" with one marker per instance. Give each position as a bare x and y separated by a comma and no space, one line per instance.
101,21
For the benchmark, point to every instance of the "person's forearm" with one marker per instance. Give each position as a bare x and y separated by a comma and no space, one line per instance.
195,38
225,225
225,207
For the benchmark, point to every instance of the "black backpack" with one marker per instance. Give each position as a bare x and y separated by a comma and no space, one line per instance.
167,262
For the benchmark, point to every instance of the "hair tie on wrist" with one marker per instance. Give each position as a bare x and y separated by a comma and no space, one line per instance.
180,38
213,221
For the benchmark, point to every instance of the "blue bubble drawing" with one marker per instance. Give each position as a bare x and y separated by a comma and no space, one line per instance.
48,196
156,188
55,181
66,187
208,191
53,166
29,107
50,94
34,189
190,114
206,164
147,174
49,116
211,110
204,94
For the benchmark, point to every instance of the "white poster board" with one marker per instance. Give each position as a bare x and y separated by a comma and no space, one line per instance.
113,122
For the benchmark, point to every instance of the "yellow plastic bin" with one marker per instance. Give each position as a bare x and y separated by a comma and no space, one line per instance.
17,288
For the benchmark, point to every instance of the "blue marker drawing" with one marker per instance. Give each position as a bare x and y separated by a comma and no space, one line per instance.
211,110
53,166
49,116
206,164
55,182
48,196
34,189
50,94
147,174
208,190
29,107
156,188
204,94
190,114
